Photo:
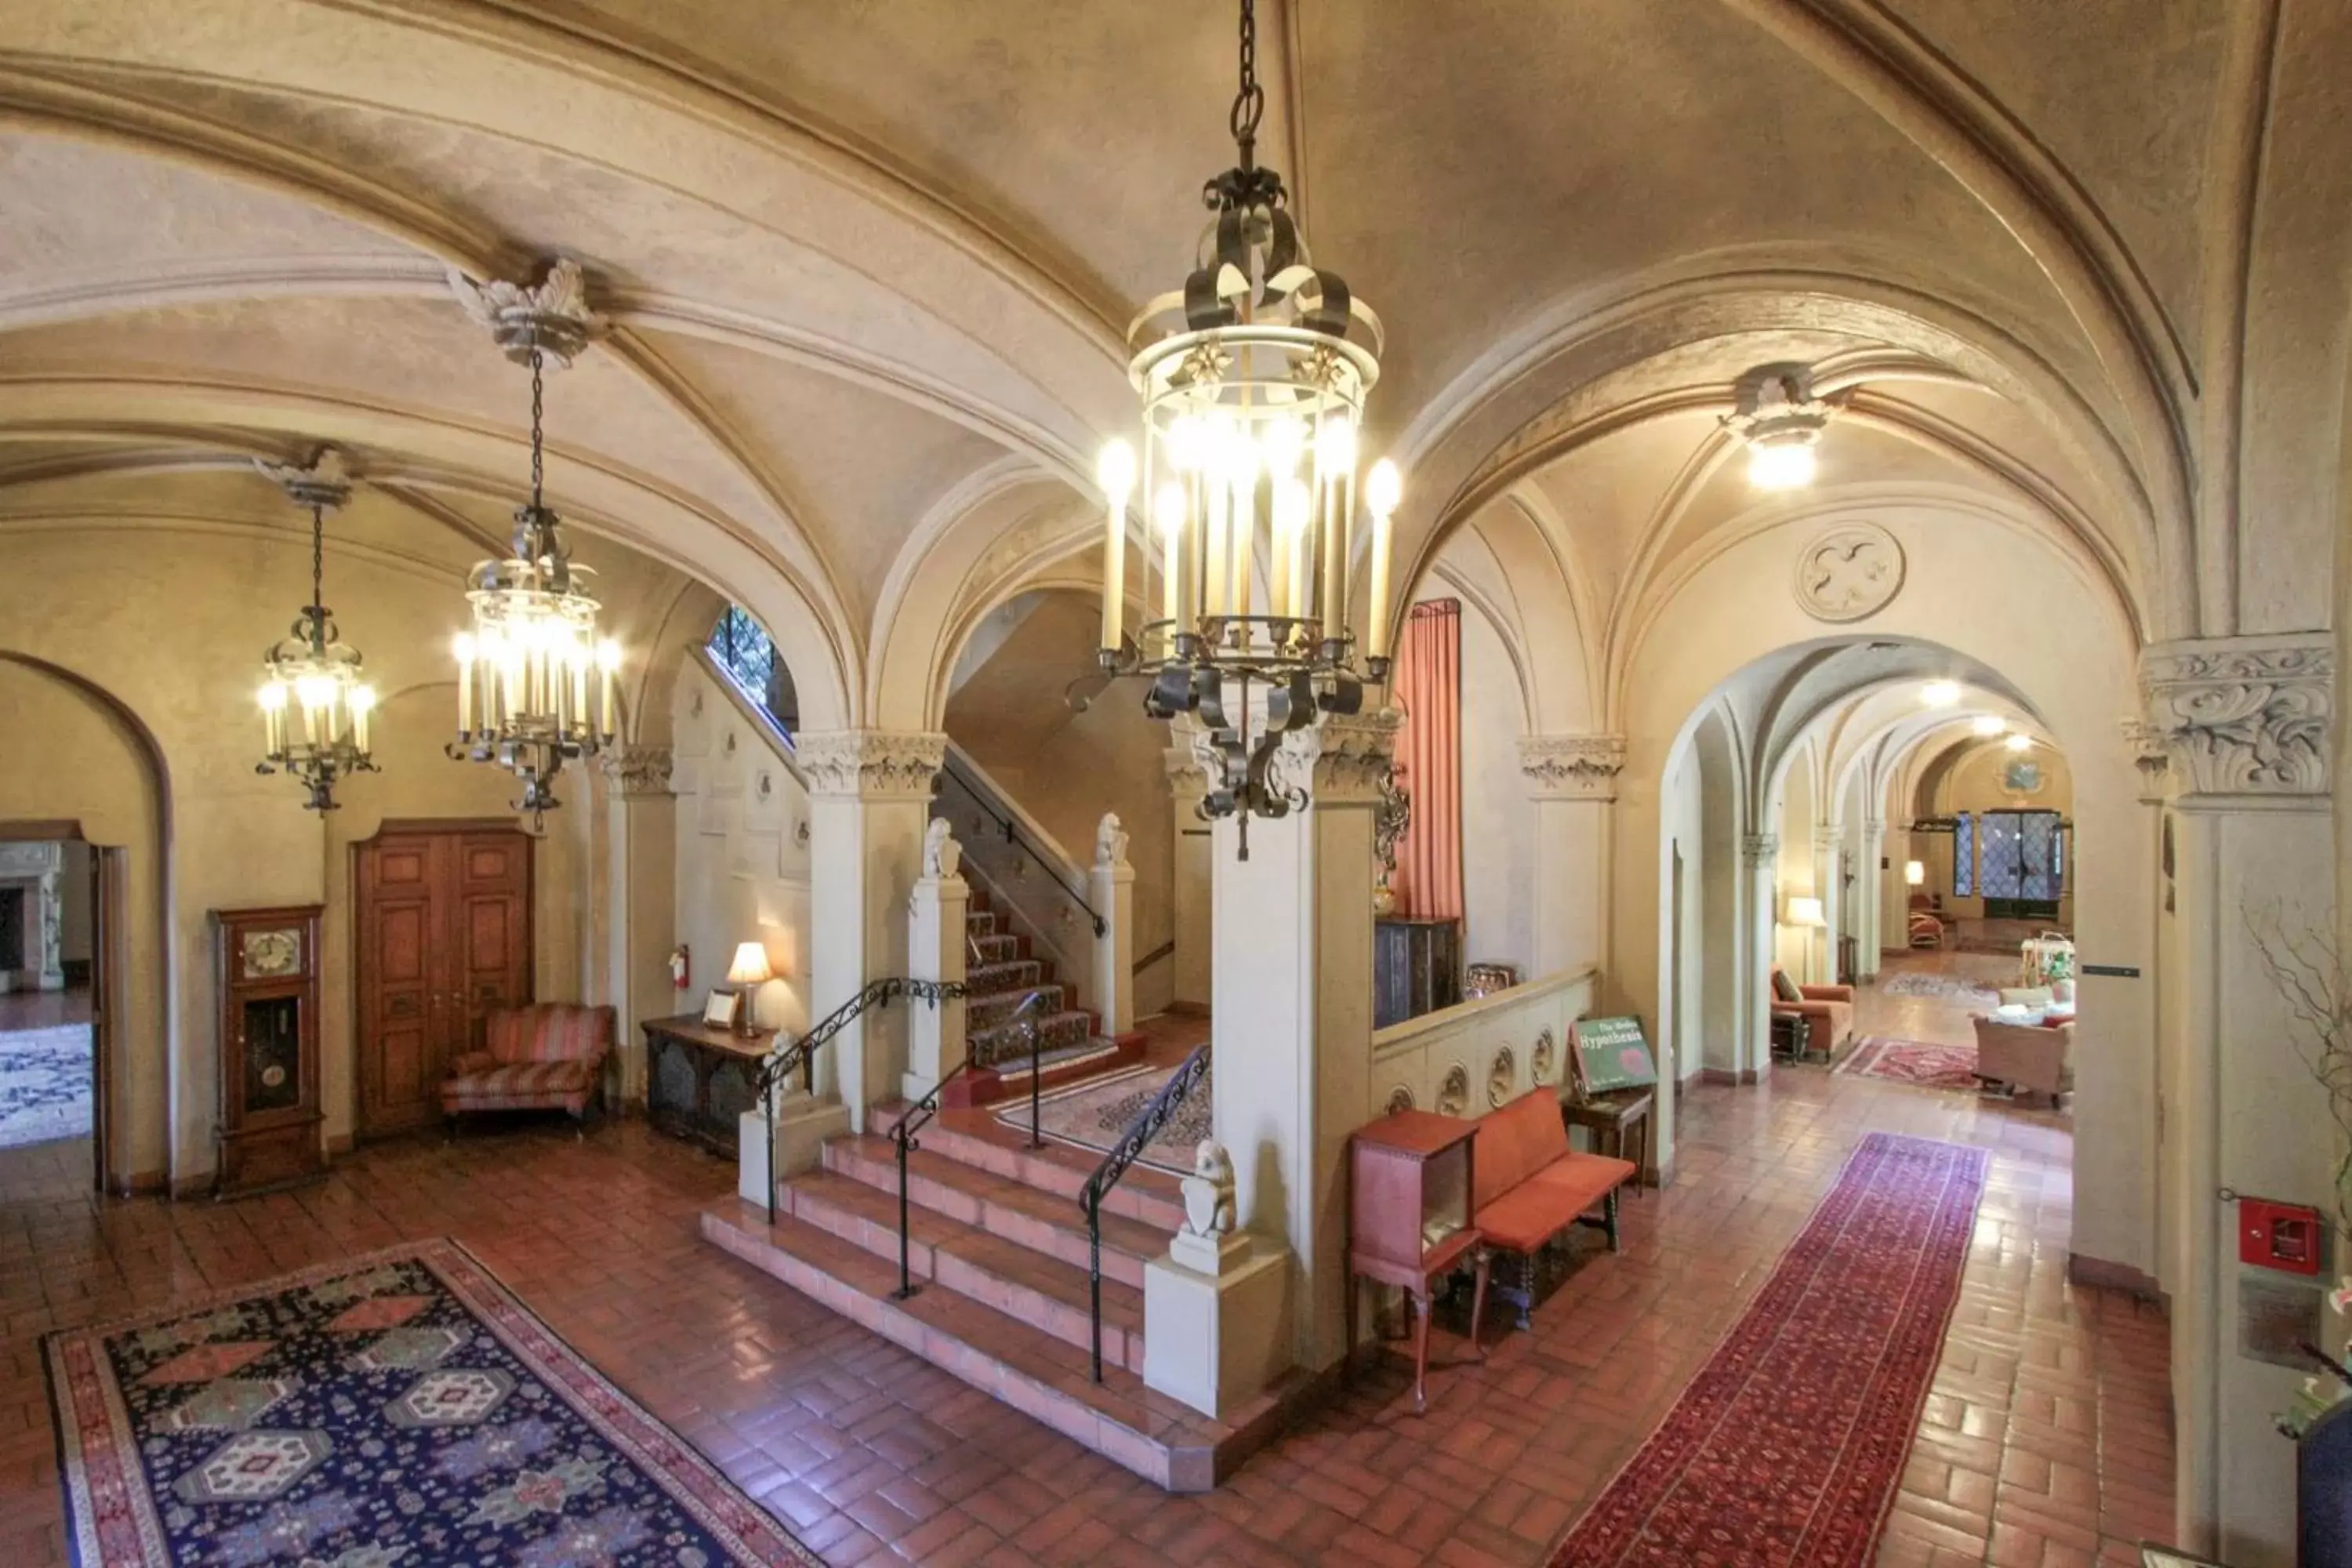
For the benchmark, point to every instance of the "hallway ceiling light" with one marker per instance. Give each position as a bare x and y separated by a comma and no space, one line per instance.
536,685
1252,379
1776,413
313,671
1989,724
2019,743
1940,693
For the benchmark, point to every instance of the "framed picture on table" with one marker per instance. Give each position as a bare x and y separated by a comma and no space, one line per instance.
720,1009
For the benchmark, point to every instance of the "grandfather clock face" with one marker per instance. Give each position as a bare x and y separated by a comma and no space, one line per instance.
270,953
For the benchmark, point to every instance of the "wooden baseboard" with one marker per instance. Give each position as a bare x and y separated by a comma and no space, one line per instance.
1726,1075
2103,1275
143,1184
341,1144
193,1186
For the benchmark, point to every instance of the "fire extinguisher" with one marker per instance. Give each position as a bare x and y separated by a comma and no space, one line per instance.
679,967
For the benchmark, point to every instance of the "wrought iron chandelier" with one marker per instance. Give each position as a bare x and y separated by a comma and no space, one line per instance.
1253,380
1776,413
315,707
535,683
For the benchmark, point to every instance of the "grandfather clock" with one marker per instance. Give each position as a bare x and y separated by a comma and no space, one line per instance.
267,961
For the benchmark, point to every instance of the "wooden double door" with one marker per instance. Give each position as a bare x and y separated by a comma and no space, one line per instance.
444,925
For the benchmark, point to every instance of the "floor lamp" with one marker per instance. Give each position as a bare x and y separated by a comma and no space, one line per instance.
1804,910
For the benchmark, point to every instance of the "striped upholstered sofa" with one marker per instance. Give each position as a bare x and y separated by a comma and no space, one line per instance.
546,1056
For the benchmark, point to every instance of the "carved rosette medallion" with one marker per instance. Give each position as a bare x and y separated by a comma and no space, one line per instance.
1400,1098
872,764
637,773
1850,571
2245,715
1500,1074
1572,767
1541,1057
1454,1094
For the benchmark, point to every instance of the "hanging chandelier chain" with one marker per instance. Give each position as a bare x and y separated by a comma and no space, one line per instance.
538,462
318,577
1249,103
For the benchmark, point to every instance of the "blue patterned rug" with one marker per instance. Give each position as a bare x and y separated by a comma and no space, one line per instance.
397,1408
44,1084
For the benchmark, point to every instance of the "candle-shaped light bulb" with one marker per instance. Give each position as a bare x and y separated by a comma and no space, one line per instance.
362,708
462,647
608,660
1168,514
1383,488
1115,471
273,717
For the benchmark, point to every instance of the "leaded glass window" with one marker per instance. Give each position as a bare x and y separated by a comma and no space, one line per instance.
1964,856
743,649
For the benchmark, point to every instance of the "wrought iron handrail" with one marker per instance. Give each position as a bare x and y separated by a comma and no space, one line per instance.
1146,1126
915,1118
800,1055
1011,829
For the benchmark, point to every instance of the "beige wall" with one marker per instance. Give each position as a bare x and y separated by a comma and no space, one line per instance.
1498,819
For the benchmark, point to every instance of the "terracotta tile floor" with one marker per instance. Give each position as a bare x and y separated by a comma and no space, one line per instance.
2047,1440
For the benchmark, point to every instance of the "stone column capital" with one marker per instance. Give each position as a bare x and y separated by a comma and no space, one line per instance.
2251,715
1346,755
871,765
636,772
1874,827
1572,767
1760,851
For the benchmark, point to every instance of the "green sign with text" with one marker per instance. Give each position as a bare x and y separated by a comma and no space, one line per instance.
1611,1054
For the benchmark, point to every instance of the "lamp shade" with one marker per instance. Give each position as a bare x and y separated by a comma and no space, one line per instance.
751,966
1806,910
1914,872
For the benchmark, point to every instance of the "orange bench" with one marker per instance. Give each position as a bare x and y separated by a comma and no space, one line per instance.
1528,1187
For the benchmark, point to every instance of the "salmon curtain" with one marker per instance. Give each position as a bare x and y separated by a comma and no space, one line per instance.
1427,684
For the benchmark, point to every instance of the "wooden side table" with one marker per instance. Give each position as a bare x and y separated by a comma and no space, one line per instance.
1619,1120
1408,1191
698,1079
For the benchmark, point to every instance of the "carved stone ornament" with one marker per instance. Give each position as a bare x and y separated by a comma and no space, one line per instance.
1209,1192
872,764
552,315
1454,1094
1501,1075
1572,767
1341,760
1850,571
1762,851
325,481
1400,1098
1541,1057
636,772
941,854
1110,841
2245,715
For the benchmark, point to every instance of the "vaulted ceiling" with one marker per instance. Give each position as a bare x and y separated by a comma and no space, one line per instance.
868,268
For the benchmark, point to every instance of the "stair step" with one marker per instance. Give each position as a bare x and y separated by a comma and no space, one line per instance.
1153,1435
1011,974
1001,947
986,1012
977,1138
1043,1222
1007,1046
1031,1287
980,921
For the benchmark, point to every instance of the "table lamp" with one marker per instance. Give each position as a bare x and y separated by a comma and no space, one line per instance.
1915,873
750,969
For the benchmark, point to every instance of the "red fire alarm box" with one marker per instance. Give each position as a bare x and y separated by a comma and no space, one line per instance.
2285,1236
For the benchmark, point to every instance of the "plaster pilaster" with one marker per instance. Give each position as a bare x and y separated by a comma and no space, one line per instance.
869,800
1293,938
637,872
2246,731
1572,779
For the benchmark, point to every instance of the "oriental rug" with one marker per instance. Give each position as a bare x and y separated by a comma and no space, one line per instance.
1914,1062
396,1408
1093,1113
1786,1450
1952,988
46,1086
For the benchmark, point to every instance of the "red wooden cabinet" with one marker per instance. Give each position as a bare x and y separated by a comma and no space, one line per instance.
1409,1219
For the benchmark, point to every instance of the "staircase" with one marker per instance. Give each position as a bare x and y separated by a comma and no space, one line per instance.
1011,989
997,1250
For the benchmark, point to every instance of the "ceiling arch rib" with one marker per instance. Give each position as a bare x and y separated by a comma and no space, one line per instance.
434,453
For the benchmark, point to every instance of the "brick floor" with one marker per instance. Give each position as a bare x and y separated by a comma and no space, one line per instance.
2046,1441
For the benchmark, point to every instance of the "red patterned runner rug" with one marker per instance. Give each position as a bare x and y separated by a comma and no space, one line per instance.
400,1407
1785,1451
1914,1062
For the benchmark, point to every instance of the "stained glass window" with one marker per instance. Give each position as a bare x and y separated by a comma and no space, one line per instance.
1964,856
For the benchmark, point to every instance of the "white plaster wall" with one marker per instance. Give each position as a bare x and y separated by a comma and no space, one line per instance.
743,865
1498,819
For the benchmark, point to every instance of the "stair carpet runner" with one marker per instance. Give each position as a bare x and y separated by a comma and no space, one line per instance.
998,1252
1000,975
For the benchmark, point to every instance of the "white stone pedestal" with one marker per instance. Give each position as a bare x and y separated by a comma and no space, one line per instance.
935,951
803,1124
1216,1339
